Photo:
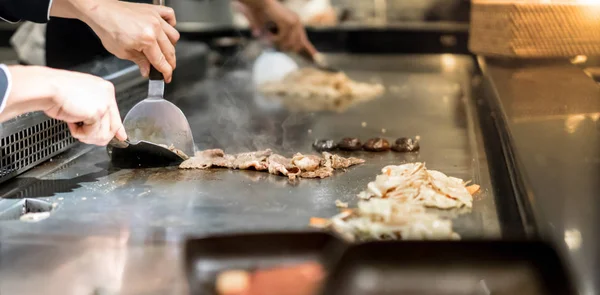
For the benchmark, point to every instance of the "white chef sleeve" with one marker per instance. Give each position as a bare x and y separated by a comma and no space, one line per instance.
49,8
5,85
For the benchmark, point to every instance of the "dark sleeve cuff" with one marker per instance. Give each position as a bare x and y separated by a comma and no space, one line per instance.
5,84
37,11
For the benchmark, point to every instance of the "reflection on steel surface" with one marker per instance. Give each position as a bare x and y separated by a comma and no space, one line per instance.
573,239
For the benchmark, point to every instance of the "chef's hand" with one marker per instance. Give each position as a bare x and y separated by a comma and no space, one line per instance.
142,33
67,96
291,35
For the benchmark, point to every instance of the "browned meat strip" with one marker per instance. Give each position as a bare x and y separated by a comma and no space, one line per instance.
256,160
226,161
377,145
306,162
202,159
322,172
305,166
178,152
279,164
338,162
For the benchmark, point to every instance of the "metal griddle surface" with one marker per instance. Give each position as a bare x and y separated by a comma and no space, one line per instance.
475,267
426,95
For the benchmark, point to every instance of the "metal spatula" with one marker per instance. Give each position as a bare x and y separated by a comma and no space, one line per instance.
158,121
142,154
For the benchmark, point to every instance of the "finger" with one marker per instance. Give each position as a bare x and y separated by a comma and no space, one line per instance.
116,125
91,133
142,62
252,20
81,133
277,32
281,40
75,130
307,45
290,41
104,134
167,49
158,60
297,41
166,13
171,32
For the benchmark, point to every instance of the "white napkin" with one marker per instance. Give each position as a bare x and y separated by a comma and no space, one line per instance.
29,41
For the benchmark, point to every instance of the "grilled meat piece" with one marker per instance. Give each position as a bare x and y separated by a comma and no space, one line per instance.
406,145
306,162
377,145
278,164
322,172
256,160
324,145
203,159
350,144
338,162
178,152
306,166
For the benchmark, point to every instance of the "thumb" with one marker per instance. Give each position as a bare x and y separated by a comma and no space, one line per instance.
121,134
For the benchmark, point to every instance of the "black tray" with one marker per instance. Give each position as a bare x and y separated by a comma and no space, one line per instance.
206,257
440,268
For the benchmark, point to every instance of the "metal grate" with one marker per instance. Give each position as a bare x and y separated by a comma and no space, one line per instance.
31,145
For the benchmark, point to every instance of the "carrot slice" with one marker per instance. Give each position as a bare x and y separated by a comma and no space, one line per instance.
318,222
472,189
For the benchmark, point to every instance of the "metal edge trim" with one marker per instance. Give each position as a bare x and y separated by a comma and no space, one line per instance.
520,186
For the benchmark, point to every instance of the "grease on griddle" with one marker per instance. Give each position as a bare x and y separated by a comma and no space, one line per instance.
350,144
406,145
325,145
377,145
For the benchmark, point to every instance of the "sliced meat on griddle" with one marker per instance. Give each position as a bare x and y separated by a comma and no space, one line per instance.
178,152
226,161
202,159
338,162
305,166
279,164
322,172
256,160
306,162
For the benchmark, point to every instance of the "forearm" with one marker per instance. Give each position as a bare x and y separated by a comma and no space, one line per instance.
29,89
255,4
76,9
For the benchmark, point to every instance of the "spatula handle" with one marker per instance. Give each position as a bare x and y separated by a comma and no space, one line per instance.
155,74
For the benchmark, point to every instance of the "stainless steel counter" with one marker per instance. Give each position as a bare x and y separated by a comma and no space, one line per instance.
120,230
551,111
